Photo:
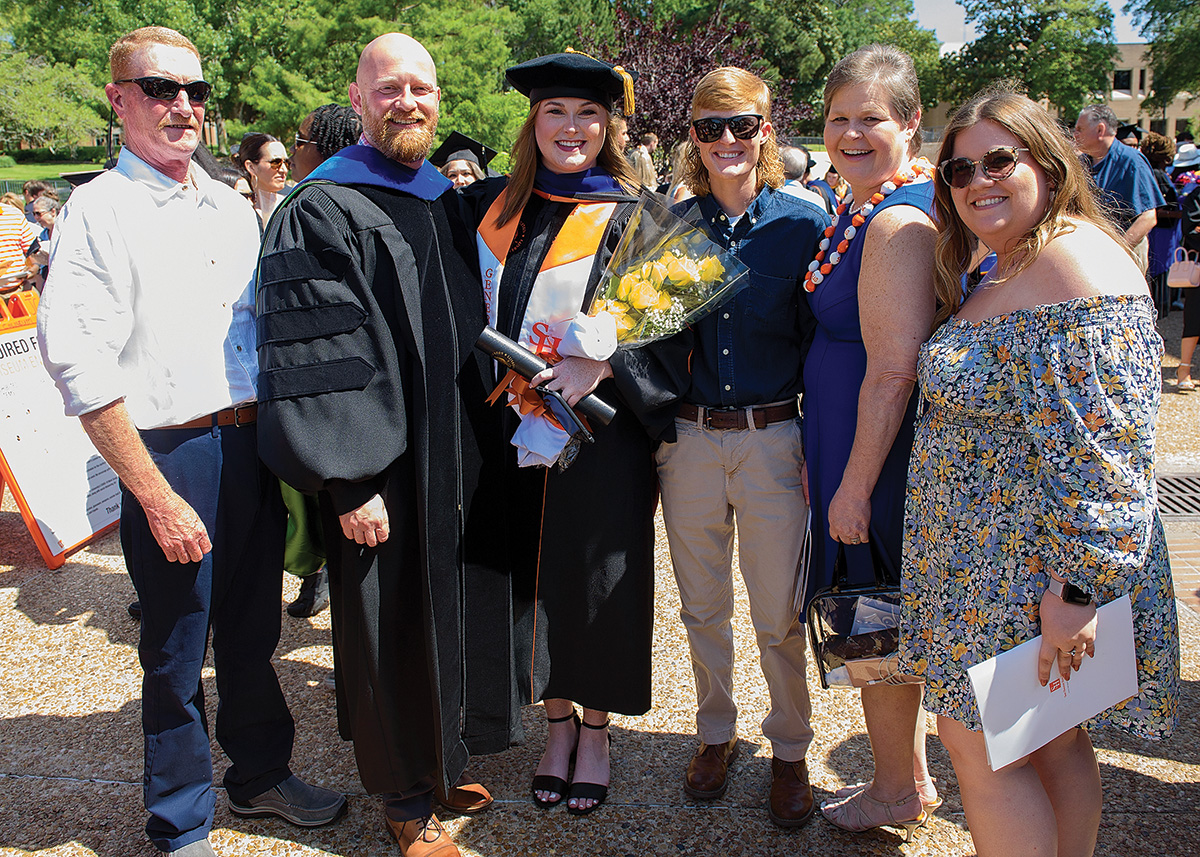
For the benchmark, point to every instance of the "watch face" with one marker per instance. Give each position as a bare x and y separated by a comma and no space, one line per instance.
1072,594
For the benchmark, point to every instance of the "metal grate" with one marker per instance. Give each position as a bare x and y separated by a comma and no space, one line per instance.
1179,495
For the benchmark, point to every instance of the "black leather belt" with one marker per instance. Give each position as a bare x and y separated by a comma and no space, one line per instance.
242,415
735,418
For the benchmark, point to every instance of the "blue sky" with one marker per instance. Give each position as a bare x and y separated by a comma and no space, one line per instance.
946,17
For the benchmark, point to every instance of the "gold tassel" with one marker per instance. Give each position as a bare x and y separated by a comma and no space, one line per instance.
626,79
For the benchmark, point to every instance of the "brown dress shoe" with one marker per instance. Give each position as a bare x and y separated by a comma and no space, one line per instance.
465,797
423,837
707,769
791,803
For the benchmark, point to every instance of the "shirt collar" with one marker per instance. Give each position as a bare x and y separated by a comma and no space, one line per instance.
162,187
719,221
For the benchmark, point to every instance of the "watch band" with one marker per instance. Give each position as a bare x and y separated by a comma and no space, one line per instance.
1056,587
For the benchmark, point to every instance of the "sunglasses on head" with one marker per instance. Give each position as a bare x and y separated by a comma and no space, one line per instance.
998,164
300,141
165,89
742,127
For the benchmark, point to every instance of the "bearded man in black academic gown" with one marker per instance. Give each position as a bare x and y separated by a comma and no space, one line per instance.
368,310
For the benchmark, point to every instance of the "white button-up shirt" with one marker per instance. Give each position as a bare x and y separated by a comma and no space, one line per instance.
151,296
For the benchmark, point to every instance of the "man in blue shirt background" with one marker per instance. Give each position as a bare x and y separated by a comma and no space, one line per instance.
1122,173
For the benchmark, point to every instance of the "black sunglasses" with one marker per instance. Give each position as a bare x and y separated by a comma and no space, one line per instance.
742,127
998,164
165,89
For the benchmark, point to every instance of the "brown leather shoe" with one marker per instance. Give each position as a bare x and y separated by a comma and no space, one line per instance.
706,772
791,803
465,797
423,837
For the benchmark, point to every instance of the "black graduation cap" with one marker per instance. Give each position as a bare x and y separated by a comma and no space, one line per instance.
460,147
573,75
1124,131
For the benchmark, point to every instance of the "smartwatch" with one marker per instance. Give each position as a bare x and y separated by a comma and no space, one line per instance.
1069,592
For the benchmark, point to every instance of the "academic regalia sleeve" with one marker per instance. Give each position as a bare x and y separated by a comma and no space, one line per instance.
653,380
331,401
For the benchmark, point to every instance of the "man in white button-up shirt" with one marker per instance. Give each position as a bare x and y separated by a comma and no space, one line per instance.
147,327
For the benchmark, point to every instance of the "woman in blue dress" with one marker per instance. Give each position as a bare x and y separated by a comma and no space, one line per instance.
871,291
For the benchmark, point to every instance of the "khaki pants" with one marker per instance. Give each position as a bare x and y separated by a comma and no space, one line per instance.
708,478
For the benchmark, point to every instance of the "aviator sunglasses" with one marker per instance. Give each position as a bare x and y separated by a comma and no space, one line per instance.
998,164
276,162
742,127
165,89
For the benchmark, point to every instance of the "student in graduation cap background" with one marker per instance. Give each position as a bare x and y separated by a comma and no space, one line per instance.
580,541
461,159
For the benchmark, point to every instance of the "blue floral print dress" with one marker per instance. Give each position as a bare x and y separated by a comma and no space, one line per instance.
1035,450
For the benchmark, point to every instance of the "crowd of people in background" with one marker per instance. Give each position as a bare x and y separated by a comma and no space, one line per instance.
980,431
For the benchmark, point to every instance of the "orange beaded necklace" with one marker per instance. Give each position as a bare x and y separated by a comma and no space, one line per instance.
819,269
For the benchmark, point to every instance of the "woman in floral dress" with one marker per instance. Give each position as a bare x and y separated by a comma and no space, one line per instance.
1032,469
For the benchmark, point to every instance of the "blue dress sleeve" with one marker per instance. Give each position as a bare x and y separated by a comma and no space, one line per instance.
1090,403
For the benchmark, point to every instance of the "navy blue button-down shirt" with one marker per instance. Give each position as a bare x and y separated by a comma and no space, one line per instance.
750,350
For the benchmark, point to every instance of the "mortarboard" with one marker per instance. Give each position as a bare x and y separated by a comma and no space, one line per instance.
573,75
460,147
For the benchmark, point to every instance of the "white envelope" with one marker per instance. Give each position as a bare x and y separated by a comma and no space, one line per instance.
1019,715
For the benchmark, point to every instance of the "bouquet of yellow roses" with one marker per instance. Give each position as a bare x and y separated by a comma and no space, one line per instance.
664,275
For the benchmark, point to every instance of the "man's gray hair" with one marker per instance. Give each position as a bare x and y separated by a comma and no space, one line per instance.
795,162
1102,113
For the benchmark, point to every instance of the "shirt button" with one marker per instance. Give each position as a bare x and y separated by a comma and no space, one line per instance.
726,351
239,348
727,387
726,315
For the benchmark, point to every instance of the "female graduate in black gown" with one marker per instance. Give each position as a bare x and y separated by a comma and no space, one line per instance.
578,542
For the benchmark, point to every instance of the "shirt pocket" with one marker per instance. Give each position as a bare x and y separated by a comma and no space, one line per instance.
772,300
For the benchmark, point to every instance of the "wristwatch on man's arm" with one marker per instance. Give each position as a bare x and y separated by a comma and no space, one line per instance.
1069,592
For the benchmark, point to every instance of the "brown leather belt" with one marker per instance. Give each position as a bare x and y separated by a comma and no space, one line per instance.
242,415
735,418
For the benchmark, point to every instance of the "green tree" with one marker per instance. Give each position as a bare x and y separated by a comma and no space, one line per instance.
863,22
1060,50
1173,30
46,105
273,61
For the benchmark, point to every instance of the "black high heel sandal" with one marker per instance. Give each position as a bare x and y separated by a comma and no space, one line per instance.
549,782
589,791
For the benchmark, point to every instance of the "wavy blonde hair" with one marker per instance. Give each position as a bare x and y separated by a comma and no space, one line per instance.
728,88
526,157
1050,148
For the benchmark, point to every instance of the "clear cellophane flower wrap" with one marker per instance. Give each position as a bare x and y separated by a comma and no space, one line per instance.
664,275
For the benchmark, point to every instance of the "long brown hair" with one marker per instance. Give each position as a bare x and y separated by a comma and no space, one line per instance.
1071,195
728,88
526,158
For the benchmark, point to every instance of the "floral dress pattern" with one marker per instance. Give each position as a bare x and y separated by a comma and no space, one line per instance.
1035,449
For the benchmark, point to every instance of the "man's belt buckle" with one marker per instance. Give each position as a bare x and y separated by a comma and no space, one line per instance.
237,415
709,413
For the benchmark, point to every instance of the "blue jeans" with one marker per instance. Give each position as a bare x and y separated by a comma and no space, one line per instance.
234,592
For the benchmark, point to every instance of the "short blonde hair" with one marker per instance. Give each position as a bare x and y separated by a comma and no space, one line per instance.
892,70
124,49
728,88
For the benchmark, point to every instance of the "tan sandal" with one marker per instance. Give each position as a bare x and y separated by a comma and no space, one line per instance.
861,812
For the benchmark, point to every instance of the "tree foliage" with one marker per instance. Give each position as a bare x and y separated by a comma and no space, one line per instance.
1060,50
670,62
45,105
1173,30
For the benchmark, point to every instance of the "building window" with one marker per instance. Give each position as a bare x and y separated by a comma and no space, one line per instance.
1123,80
1141,80
1182,125
1159,126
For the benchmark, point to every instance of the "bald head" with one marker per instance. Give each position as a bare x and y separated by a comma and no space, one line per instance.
389,50
395,92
